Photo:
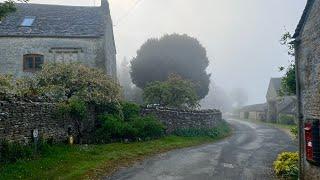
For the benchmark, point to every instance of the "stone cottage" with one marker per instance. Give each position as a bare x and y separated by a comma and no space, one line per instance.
307,47
36,34
254,112
278,105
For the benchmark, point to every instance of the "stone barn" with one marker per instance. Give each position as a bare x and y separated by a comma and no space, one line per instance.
307,47
272,98
254,112
36,34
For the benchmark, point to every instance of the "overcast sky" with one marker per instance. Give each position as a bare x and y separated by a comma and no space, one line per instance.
241,36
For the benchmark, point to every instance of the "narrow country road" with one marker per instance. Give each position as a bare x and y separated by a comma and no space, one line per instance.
247,155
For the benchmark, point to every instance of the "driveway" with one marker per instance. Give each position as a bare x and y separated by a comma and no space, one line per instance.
247,155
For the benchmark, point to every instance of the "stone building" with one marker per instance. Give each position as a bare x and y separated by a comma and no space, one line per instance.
254,112
272,98
36,34
307,46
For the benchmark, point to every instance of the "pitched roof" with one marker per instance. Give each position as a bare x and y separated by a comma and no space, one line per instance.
255,107
54,21
303,18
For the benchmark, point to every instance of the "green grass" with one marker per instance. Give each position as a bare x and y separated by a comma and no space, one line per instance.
94,161
286,128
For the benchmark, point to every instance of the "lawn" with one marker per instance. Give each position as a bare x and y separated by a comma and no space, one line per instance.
93,161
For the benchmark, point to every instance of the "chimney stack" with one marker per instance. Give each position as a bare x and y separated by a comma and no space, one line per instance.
105,5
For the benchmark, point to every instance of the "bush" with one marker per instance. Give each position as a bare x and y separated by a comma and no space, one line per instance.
116,129
221,130
175,92
294,131
286,165
148,127
12,152
286,119
130,110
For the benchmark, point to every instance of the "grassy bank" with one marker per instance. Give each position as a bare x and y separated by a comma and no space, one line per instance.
94,161
285,128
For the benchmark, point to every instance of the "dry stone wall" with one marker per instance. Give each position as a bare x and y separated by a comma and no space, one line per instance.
175,119
19,119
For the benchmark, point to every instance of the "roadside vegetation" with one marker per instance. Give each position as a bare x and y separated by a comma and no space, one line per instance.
286,165
121,135
94,161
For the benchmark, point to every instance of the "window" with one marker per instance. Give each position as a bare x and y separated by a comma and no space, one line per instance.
28,21
32,62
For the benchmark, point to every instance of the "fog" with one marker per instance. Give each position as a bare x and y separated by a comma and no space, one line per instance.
241,37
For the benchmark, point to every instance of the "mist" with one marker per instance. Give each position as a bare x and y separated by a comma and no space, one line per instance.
241,37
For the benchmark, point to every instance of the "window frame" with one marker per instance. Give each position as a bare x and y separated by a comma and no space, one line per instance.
34,64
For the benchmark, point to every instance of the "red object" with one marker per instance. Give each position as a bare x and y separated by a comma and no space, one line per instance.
309,144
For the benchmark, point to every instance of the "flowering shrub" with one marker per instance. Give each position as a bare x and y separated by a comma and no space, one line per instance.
59,82
286,165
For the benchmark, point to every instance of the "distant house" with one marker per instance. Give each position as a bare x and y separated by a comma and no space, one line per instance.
307,46
254,112
36,34
272,97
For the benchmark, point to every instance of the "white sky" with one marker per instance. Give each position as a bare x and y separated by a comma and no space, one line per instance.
241,36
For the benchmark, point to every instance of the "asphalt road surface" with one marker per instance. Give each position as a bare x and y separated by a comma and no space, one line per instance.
247,155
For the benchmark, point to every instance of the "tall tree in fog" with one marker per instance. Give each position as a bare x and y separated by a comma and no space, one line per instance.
172,54
239,97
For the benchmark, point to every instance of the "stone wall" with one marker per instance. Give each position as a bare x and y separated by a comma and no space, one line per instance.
19,119
178,119
308,58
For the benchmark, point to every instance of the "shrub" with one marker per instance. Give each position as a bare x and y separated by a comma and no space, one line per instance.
294,131
114,128
6,86
221,130
12,152
286,165
148,127
286,119
130,110
175,92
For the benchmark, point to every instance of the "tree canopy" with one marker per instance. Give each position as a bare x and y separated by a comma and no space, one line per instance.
175,92
178,54
8,6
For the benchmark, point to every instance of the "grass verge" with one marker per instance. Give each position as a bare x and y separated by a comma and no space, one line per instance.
283,127
95,161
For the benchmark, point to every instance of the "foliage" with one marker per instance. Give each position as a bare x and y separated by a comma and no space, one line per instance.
179,54
6,86
239,96
286,165
288,84
59,82
92,161
13,152
148,127
175,92
74,107
116,129
88,84
130,110
286,119
220,131
294,131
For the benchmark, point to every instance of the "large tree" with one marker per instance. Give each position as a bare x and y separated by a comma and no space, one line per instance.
8,6
175,92
178,54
